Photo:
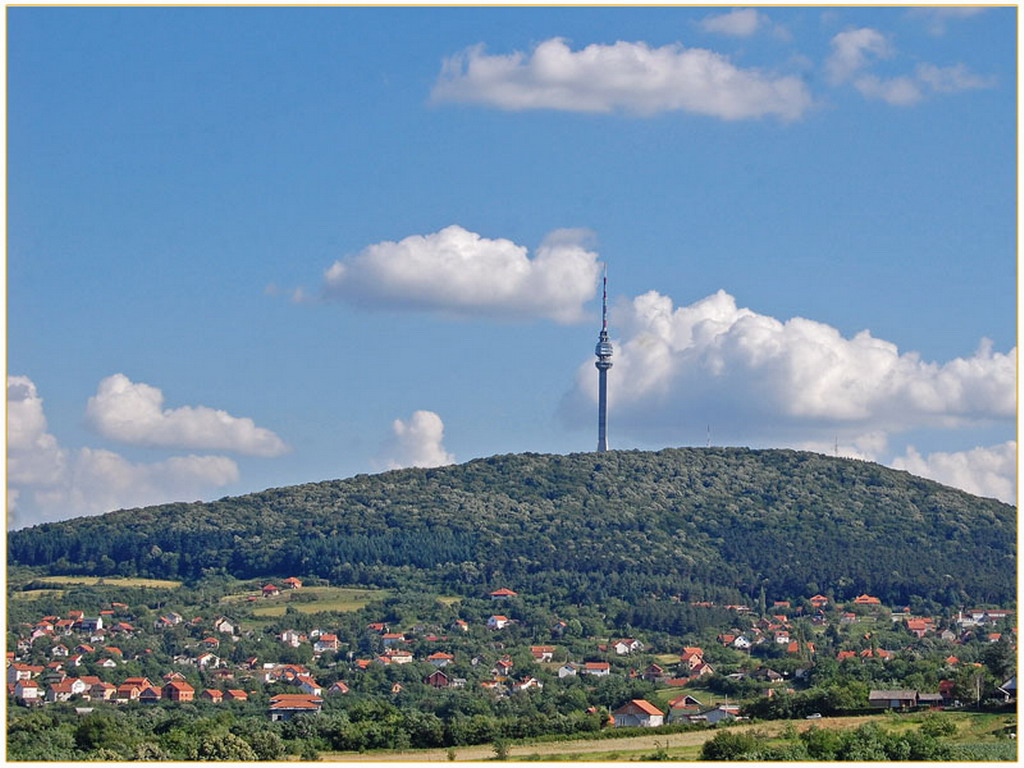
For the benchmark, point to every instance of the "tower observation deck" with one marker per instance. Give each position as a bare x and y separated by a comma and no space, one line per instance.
603,350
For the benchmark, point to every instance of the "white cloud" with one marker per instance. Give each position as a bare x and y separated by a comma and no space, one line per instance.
629,77
937,20
133,413
742,22
951,79
898,91
459,272
989,472
33,455
757,378
100,481
47,482
855,51
416,443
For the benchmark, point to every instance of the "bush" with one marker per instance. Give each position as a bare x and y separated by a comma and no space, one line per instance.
729,745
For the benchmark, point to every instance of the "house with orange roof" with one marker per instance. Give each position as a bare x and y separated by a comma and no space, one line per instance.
178,690
326,642
638,713
292,583
338,687
497,622
596,668
691,657
818,601
234,694
285,706
503,594
308,685
212,695
866,599
542,652
440,659
128,692
269,590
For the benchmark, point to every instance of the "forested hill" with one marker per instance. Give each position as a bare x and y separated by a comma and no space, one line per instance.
700,524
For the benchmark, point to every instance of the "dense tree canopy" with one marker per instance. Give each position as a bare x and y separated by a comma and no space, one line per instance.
723,524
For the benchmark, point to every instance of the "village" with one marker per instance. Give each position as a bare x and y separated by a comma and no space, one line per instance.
85,659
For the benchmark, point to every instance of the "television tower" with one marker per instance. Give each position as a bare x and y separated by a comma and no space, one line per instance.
603,350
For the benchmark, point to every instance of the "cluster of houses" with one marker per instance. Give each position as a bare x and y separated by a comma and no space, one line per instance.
77,640
640,713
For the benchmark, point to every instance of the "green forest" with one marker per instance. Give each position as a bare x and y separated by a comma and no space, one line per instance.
721,524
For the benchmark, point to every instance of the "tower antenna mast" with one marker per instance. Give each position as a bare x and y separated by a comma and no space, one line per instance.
603,350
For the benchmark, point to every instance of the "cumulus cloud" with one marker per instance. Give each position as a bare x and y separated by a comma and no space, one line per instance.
416,443
133,413
458,272
33,455
628,77
760,378
99,481
855,51
47,482
983,471
742,22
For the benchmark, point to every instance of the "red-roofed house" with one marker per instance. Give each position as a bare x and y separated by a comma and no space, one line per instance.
211,695
638,713
325,642
292,583
284,706
497,622
866,599
178,690
308,685
542,652
234,694
597,668
503,594
440,659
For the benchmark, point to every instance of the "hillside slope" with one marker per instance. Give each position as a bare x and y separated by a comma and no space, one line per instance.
716,523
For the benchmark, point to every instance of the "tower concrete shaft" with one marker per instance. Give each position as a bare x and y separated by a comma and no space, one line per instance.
603,350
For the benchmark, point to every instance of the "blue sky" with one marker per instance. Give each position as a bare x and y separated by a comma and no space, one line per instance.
257,247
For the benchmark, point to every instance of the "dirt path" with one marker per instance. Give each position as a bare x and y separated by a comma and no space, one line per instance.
580,747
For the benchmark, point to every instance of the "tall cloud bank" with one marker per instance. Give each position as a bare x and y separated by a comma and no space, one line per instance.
755,379
459,272
983,471
47,481
624,76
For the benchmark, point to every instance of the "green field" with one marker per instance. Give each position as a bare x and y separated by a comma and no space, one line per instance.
310,600
108,581
685,746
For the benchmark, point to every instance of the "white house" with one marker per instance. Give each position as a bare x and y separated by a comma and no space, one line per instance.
638,713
